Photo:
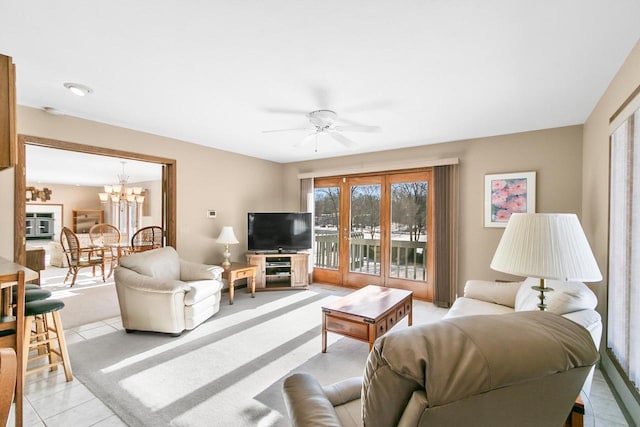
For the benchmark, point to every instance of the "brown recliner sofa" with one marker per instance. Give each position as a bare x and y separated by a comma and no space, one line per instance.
523,369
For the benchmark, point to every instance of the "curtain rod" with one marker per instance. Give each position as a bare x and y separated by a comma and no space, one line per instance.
379,167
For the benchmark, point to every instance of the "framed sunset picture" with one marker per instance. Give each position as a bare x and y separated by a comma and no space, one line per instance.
508,193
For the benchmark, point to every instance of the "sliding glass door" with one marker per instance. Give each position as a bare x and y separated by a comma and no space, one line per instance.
374,229
363,232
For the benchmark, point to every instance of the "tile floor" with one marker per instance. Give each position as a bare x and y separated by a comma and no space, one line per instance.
52,402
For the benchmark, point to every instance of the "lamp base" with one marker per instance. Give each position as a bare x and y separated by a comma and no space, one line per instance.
542,289
226,254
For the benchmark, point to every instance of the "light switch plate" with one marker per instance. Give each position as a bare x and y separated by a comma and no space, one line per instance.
211,213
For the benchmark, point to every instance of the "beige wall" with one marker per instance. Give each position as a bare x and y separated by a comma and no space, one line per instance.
207,178
595,202
555,154
152,207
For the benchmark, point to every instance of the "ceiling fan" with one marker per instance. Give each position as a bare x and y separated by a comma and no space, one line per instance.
326,122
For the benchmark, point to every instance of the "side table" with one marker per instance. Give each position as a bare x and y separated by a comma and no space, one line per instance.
237,271
576,417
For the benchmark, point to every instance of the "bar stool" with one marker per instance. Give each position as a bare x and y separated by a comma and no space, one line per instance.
51,336
33,294
36,293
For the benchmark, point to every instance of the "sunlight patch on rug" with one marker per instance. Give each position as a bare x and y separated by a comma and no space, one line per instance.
74,292
164,384
215,325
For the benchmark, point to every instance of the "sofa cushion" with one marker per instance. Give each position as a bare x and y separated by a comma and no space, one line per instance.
566,297
469,306
502,293
56,255
162,262
200,290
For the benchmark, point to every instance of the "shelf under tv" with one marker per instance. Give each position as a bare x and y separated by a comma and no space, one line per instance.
280,271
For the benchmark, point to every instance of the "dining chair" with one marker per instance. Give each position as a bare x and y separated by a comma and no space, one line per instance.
146,238
78,257
107,237
8,373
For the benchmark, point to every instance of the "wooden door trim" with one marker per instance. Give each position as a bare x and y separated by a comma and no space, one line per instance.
169,184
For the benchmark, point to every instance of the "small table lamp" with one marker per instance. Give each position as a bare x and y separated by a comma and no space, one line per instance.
227,238
546,246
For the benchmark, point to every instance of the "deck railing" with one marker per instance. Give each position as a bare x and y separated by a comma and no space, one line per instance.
407,257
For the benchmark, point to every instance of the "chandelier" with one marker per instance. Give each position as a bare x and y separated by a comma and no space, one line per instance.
121,192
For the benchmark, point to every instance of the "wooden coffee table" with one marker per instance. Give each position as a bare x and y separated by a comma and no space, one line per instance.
367,313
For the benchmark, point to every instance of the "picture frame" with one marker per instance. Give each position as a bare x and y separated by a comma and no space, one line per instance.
508,193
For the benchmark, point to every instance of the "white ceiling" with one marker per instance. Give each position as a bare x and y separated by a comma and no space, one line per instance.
53,166
218,73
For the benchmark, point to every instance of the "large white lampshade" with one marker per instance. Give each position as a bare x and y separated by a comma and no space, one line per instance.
546,246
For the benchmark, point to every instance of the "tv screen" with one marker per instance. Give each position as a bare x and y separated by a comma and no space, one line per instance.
279,231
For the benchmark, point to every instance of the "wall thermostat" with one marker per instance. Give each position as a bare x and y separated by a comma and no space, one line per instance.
211,213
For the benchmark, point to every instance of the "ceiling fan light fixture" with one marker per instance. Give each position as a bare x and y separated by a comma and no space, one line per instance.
326,122
78,89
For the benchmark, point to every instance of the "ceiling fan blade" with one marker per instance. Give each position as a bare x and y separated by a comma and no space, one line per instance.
284,130
343,140
357,128
305,139
284,110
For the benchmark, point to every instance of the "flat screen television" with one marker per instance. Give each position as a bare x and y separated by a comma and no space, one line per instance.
279,231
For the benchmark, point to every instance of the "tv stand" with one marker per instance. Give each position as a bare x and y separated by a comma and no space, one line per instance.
280,270
275,251
287,251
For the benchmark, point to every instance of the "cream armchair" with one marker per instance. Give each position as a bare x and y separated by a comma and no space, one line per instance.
159,292
523,369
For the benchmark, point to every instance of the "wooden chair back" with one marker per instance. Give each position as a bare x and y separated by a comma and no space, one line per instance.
70,245
104,234
146,238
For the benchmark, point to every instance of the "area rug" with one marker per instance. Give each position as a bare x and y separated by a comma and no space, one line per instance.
229,370
89,300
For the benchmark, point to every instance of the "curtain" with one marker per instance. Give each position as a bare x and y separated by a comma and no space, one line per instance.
445,268
306,195
623,326
307,204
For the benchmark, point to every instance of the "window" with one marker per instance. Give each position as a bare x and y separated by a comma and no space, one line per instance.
623,329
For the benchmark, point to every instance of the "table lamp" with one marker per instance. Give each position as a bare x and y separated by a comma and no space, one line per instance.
547,246
227,238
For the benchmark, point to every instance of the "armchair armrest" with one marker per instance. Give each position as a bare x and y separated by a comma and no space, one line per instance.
307,403
344,391
139,282
85,252
190,271
503,293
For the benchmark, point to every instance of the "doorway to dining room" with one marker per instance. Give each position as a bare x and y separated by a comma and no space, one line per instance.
167,188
